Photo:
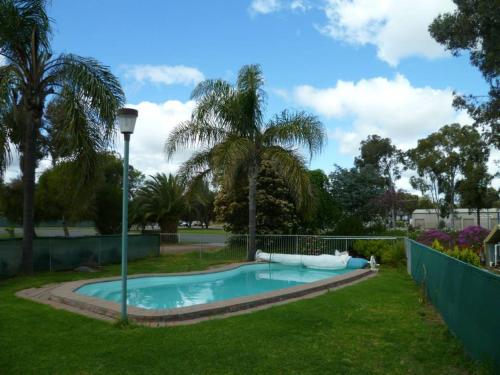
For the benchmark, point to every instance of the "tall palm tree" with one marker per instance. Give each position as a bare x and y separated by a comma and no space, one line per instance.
161,200
228,123
31,77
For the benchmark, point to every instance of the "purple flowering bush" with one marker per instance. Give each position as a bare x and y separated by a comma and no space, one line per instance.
472,237
431,235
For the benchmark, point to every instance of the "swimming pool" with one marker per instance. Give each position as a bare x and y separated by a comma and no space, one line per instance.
171,292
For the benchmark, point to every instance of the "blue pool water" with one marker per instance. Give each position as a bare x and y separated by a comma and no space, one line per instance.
167,292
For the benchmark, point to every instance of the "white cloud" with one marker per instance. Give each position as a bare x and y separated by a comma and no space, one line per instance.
2,60
388,107
398,28
265,6
272,6
494,167
164,74
154,124
300,5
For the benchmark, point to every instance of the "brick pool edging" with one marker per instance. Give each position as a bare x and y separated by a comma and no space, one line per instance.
65,294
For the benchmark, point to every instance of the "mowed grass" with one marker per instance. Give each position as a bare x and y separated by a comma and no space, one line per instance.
201,230
377,326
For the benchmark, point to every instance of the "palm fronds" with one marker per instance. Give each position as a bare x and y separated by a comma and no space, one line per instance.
291,166
289,129
92,81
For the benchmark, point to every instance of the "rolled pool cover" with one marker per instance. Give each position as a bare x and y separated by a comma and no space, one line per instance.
357,263
324,261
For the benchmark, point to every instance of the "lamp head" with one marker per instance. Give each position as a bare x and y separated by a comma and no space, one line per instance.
126,119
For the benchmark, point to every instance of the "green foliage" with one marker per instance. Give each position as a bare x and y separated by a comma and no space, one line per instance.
384,251
61,194
464,254
199,203
474,28
108,194
161,200
108,208
326,210
440,158
381,154
12,201
436,245
276,212
356,189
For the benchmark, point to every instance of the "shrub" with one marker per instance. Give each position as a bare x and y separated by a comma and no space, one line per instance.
349,226
464,254
436,245
429,236
472,237
384,251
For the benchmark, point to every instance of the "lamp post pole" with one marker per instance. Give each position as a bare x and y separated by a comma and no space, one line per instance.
126,119
125,227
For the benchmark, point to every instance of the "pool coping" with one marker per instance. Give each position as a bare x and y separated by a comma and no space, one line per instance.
65,294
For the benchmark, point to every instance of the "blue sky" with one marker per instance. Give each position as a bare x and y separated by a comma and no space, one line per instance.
362,66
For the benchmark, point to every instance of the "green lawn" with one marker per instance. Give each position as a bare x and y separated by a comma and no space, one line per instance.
201,231
375,327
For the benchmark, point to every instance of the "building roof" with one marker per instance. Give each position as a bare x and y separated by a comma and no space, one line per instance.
457,210
494,236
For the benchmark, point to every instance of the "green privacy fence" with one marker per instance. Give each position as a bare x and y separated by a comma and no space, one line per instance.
61,253
467,297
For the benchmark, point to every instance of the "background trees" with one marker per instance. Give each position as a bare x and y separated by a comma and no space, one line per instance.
326,211
60,195
386,159
441,158
356,190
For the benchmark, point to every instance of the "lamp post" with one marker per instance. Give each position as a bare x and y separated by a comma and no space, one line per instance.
126,121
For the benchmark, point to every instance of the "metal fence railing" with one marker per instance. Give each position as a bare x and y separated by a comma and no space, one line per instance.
236,245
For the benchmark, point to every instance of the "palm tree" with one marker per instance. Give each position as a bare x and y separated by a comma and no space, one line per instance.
228,124
161,200
87,91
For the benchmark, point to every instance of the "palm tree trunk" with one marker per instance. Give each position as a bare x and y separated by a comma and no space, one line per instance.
252,211
28,194
65,227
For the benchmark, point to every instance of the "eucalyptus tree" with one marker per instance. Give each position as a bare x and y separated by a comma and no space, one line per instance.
442,158
88,93
228,125
386,158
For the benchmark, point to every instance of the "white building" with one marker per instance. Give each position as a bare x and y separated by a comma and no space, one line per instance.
427,218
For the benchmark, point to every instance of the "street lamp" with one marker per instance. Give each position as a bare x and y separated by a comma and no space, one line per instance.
126,121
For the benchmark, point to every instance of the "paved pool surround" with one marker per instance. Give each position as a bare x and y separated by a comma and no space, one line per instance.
64,295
